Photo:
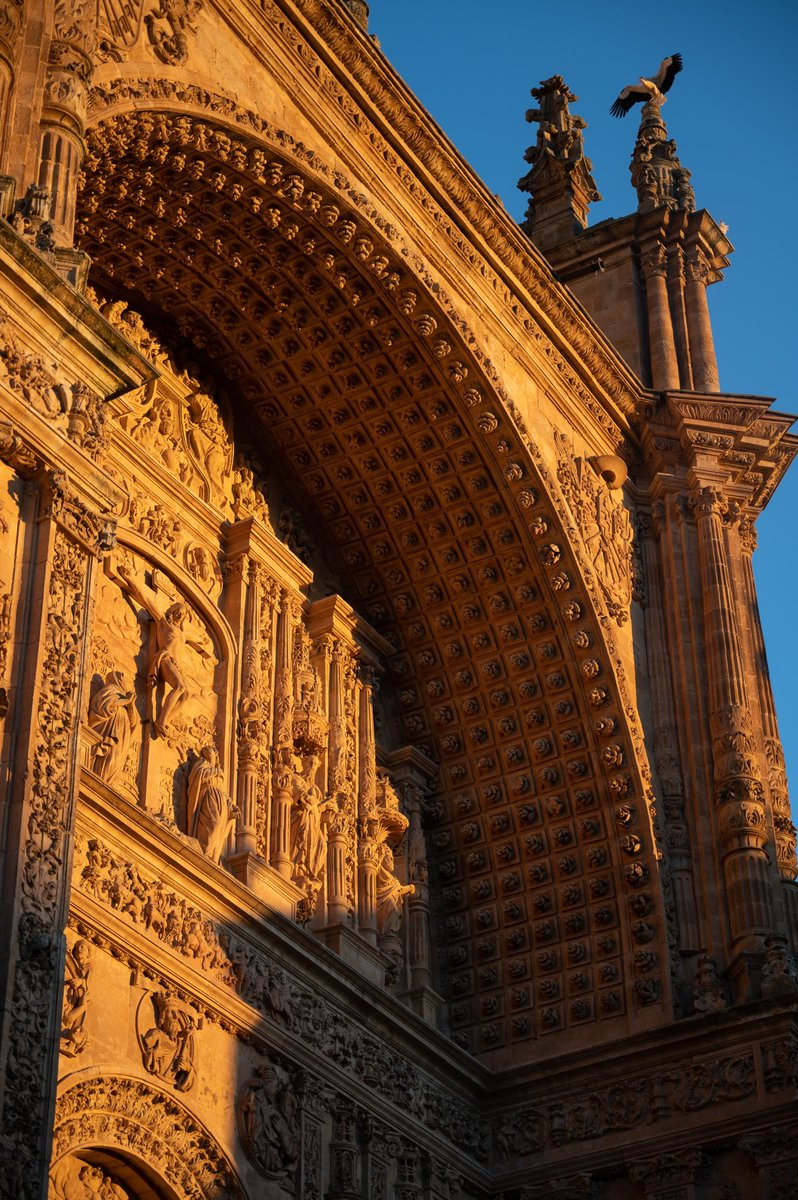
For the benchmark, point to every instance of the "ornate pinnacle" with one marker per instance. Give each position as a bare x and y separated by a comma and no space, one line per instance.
559,182
658,177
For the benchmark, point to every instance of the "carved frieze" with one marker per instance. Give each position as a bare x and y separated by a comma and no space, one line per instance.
676,1089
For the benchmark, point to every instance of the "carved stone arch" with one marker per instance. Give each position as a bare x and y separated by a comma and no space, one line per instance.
138,1132
455,537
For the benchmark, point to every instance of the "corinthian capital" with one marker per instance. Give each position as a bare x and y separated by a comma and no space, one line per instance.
709,501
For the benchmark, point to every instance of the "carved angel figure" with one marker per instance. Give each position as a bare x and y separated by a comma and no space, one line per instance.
167,661
168,1048
76,986
112,716
308,827
268,1123
210,812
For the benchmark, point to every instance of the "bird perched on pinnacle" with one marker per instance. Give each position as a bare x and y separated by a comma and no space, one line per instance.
653,89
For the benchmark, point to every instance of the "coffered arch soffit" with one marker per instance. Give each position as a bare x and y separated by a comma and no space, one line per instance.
459,547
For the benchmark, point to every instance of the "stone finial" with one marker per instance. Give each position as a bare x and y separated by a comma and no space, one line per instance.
559,181
359,10
658,177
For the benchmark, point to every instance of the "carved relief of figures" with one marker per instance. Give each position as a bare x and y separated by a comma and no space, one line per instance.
169,648
309,828
76,987
593,492
268,1123
167,1048
112,716
74,1179
210,813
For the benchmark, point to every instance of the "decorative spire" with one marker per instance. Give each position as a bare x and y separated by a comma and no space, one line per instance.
559,182
658,177
359,10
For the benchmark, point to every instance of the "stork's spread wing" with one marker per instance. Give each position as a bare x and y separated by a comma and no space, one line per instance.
633,94
669,68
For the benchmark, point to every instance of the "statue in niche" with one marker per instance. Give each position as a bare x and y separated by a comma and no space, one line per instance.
208,441
210,813
390,895
309,828
112,716
170,645
76,988
268,1123
168,1048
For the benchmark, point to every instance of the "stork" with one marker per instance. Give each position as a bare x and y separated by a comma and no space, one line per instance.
649,89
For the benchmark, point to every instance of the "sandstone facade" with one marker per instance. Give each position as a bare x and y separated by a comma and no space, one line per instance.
393,799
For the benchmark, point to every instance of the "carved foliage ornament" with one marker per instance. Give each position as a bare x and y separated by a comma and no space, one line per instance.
42,882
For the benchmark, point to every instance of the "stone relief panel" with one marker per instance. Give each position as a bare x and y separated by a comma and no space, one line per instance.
155,708
166,1033
268,1123
76,1179
164,26
592,488
139,902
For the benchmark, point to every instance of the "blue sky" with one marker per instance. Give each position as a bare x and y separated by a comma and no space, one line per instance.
732,114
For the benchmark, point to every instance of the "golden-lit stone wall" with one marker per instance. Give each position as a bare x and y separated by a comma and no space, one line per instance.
393,800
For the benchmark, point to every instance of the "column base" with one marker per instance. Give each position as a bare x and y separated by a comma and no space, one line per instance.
352,948
425,1002
745,976
256,874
